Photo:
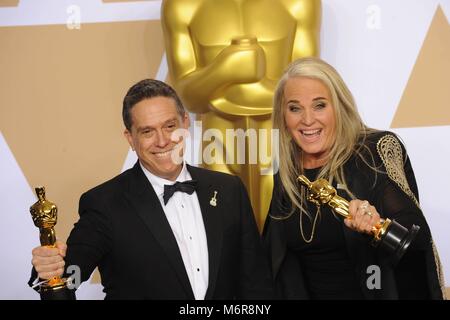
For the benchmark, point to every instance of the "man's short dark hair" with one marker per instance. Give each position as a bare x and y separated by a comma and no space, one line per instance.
146,89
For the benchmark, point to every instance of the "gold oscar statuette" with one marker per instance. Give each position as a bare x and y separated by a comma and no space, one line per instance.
225,59
44,214
387,233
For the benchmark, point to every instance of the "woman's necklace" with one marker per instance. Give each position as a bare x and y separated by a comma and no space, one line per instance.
313,226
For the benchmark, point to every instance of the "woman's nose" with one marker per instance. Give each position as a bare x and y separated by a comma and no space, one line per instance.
308,117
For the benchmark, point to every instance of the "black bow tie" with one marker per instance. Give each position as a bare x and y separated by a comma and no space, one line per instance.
186,186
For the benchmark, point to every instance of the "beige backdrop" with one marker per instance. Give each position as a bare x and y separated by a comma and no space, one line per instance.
61,92
61,102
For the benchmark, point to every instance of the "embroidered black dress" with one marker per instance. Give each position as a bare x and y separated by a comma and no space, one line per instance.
326,265
338,261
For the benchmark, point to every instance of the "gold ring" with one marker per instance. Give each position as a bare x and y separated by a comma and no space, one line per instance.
368,212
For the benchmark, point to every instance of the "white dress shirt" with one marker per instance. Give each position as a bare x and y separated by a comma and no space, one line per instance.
186,221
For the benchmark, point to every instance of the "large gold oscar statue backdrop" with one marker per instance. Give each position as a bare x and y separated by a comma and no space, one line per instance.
224,59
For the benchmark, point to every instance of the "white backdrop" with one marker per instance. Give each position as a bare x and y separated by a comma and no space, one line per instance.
373,44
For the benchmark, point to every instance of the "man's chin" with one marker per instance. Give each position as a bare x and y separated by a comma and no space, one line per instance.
169,170
168,163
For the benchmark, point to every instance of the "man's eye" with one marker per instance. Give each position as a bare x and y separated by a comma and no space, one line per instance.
147,132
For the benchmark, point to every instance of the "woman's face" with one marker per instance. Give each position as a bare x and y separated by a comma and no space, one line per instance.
309,117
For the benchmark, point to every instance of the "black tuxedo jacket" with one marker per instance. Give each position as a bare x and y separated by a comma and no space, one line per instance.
123,230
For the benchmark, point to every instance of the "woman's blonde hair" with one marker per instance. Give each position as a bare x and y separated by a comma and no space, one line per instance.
348,127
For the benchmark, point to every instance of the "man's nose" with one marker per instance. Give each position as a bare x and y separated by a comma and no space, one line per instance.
162,138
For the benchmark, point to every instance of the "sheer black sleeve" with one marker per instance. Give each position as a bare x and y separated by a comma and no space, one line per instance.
397,198
397,192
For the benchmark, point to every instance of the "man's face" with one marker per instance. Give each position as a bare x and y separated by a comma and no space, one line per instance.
153,122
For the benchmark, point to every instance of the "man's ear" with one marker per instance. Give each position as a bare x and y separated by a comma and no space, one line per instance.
186,120
129,138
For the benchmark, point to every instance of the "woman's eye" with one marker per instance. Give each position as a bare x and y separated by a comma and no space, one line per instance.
320,105
293,108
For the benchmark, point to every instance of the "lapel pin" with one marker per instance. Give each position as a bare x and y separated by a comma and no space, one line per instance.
213,200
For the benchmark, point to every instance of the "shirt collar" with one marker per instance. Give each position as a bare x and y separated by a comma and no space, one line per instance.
158,182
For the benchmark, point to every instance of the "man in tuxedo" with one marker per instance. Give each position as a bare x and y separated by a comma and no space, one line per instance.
163,229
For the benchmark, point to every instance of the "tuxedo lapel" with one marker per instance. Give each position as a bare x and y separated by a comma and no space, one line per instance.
146,203
212,221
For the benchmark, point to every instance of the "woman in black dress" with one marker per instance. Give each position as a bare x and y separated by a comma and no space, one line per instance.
316,254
